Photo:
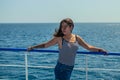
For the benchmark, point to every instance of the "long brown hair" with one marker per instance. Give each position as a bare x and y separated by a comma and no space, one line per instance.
58,33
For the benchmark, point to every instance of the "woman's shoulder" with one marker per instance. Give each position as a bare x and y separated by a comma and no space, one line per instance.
78,36
58,38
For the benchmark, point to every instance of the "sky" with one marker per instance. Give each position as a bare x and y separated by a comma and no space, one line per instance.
44,11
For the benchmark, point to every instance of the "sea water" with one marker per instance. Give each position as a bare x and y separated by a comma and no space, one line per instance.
23,35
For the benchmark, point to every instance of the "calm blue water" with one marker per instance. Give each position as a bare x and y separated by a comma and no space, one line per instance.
104,35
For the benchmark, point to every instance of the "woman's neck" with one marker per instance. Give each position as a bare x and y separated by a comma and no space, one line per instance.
68,36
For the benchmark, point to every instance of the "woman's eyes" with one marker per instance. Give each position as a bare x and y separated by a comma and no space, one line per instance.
65,26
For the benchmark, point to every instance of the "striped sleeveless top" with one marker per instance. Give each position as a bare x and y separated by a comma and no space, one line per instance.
68,52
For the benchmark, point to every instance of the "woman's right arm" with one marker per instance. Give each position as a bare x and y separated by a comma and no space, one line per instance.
45,45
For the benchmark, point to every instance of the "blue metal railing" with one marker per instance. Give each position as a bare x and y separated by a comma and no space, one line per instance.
55,51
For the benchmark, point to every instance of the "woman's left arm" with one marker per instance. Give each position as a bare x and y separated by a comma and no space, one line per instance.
89,47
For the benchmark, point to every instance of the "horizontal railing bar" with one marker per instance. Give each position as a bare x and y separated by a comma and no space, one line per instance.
56,51
51,67
8,65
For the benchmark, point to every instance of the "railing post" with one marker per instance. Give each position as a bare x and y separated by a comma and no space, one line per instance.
26,66
86,66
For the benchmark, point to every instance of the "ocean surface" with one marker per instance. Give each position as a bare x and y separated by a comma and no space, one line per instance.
41,65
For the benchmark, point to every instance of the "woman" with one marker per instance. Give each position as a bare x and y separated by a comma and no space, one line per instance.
68,46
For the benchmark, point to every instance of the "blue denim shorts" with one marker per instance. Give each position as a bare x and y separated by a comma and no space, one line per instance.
62,71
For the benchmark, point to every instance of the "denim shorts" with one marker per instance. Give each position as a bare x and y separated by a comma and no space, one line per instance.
62,71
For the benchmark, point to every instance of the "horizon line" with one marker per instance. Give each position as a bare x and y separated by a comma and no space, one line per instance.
52,22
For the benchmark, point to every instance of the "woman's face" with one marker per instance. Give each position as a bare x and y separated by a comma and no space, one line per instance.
66,29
